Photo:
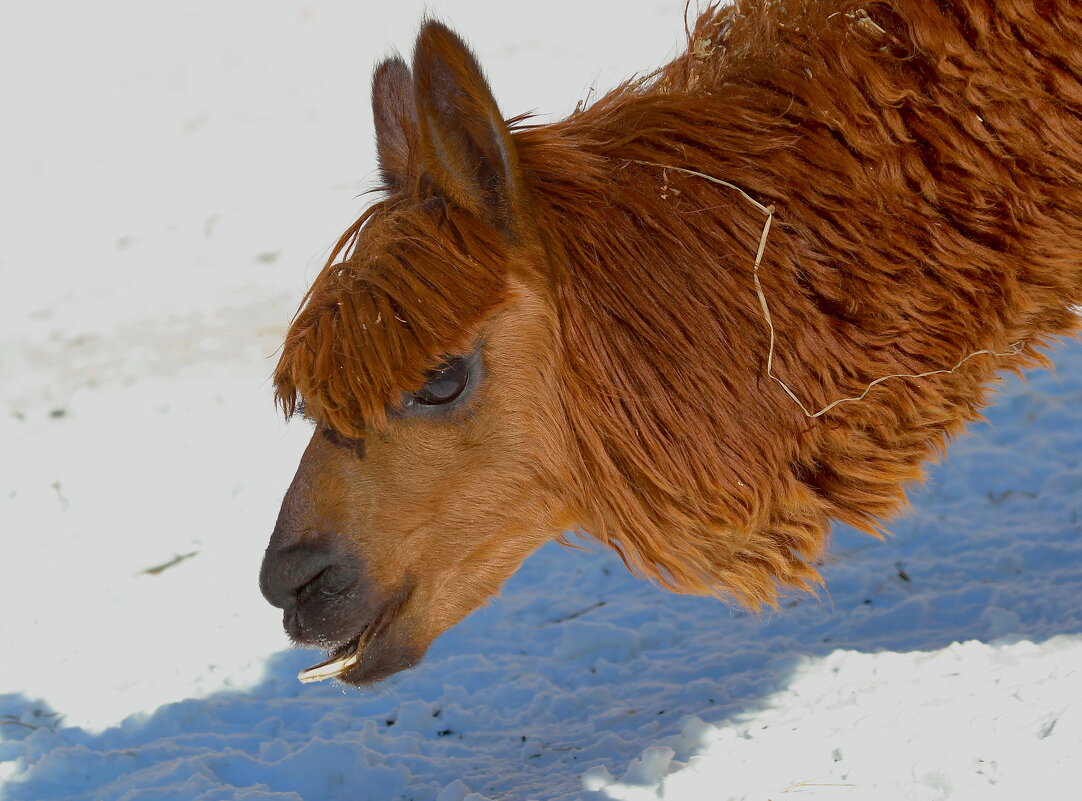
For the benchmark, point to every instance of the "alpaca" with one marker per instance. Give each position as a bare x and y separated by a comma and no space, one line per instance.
698,320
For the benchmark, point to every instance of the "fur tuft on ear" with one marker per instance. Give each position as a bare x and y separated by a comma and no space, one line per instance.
465,146
393,111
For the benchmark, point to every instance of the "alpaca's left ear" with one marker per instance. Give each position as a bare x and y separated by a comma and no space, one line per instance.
396,128
465,147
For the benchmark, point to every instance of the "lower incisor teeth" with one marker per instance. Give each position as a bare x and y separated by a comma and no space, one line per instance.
330,669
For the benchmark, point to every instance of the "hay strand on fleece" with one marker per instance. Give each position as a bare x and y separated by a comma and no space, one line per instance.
1015,348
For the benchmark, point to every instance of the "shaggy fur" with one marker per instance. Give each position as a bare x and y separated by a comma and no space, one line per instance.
925,163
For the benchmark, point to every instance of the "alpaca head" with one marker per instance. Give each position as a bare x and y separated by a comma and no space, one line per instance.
427,361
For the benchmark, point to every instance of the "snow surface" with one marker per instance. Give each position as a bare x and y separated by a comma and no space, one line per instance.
171,176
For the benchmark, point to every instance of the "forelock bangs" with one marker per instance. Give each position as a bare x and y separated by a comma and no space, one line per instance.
415,283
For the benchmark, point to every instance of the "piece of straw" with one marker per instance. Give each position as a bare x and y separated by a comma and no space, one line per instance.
1013,350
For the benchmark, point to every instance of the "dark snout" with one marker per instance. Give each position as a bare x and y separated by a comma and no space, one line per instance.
319,585
319,577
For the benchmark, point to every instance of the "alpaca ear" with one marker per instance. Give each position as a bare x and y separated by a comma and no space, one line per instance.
395,120
464,144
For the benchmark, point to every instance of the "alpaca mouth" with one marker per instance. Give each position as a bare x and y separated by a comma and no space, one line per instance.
356,654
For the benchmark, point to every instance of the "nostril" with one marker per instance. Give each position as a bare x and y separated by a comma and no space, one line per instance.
305,590
300,574
322,583
332,580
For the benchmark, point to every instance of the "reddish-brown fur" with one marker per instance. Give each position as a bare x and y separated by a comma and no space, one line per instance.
925,163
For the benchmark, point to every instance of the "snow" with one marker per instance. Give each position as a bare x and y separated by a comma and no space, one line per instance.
171,177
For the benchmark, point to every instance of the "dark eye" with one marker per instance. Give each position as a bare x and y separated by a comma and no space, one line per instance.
444,384
446,388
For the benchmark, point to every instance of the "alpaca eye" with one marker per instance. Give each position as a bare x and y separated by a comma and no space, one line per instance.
446,389
444,384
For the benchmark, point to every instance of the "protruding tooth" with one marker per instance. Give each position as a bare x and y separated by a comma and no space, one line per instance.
331,668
